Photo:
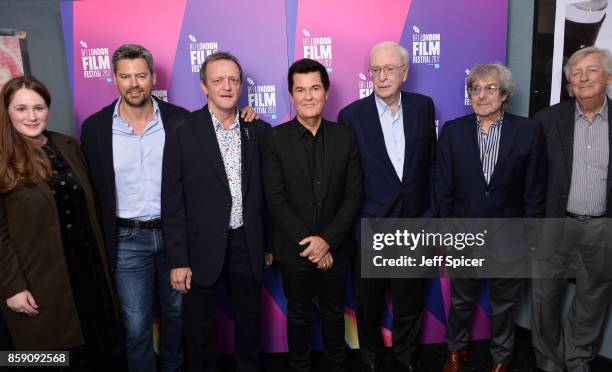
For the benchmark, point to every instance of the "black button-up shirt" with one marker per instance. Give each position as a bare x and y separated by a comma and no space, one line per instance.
313,146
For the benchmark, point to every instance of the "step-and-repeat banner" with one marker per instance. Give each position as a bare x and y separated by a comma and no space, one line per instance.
444,40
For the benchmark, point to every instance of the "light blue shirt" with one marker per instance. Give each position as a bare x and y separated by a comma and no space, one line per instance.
137,160
393,131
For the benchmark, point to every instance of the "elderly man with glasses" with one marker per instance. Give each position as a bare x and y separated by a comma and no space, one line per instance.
490,164
396,134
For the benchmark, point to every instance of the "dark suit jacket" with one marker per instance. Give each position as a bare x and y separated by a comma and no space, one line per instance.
558,127
518,183
196,199
385,194
97,145
289,192
32,258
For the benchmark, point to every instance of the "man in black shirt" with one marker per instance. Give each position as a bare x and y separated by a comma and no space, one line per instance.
312,183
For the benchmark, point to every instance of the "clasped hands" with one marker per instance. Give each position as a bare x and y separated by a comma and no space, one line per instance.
317,252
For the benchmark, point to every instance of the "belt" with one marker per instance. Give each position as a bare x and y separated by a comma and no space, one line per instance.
582,216
135,224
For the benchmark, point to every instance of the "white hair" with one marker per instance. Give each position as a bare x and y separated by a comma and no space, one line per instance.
391,44
606,61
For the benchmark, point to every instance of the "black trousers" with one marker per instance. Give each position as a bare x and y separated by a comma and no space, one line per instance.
407,299
6,342
504,294
301,285
200,306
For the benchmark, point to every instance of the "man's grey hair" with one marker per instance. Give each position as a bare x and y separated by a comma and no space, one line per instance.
497,70
606,60
218,56
392,44
132,51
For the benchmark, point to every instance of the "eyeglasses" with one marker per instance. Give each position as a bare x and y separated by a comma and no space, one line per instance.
388,70
489,90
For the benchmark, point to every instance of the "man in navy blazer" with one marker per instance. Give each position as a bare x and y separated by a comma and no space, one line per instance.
213,216
396,135
491,164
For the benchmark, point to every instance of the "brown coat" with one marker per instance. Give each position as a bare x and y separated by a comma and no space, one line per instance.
32,257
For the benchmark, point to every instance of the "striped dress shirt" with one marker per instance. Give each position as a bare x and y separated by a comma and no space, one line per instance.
488,143
587,194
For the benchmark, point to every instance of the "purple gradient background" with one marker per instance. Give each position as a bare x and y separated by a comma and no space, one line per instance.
95,23
471,32
263,35
245,29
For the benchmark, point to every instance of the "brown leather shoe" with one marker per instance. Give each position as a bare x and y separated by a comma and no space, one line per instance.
454,360
497,367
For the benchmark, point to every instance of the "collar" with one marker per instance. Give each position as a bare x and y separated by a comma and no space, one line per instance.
155,107
603,111
218,125
382,107
302,130
496,122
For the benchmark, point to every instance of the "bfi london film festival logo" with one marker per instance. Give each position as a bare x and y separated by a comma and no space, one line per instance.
262,98
318,48
365,85
425,48
199,51
466,101
96,62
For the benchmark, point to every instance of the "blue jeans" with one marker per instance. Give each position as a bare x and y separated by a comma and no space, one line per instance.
141,259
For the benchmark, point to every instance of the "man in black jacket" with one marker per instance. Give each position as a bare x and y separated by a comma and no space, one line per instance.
313,187
578,143
123,144
213,216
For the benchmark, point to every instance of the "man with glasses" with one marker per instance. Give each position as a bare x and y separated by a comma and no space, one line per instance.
396,135
213,216
490,164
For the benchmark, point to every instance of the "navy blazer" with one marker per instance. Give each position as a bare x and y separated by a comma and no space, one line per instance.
385,195
97,145
518,184
196,201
